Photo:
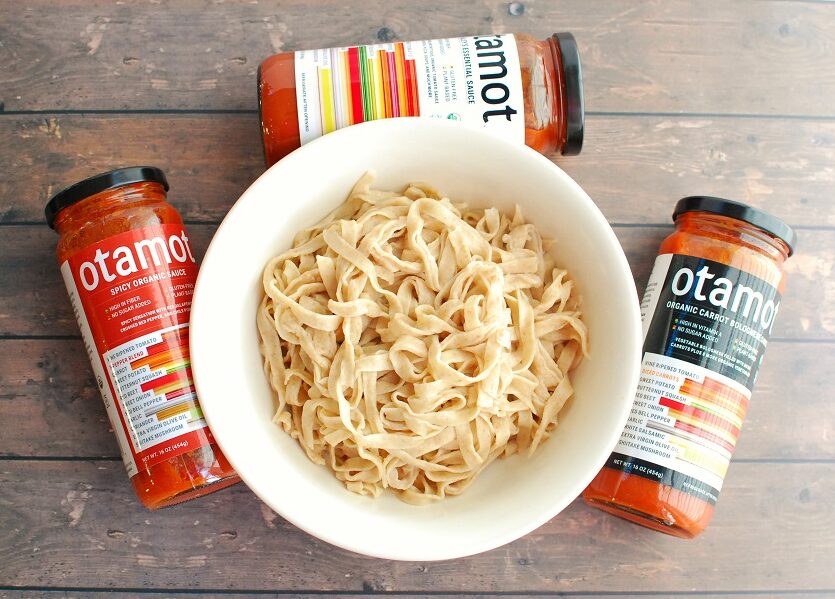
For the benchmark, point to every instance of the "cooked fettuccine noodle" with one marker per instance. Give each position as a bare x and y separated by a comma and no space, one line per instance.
411,341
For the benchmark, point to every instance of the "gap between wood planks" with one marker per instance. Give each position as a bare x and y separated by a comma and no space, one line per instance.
781,165
601,113
105,458
371,593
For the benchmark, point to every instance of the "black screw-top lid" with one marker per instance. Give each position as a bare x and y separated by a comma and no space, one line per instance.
759,218
575,108
98,183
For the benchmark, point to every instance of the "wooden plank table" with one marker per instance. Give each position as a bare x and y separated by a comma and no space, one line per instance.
725,98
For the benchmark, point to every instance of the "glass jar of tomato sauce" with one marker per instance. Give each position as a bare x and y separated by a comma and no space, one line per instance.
526,90
707,314
130,271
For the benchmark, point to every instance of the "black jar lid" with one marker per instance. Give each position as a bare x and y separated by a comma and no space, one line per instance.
759,218
98,183
575,109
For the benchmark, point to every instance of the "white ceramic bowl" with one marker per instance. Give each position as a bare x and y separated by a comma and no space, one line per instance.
511,497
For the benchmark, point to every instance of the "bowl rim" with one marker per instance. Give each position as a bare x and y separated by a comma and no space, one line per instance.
402,551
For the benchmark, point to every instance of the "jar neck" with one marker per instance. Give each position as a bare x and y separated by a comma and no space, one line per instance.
553,64
734,231
104,203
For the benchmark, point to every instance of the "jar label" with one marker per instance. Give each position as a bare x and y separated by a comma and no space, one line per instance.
706,326
131,294
476,80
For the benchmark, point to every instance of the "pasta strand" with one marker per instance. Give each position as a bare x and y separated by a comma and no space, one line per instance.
411,342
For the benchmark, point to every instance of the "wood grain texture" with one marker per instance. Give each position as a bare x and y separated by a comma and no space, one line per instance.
209,159
634,168
47,386
69,594
705,97
771,529
671,56
36,303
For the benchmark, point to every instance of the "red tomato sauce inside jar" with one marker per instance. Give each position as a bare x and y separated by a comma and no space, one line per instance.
708,311
129,269
550,111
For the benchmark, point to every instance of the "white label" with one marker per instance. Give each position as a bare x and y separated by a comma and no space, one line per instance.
135,326
155,394
476,80
98,370
706,327
653,290
676,426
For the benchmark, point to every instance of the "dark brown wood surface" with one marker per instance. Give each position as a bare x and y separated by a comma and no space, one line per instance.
77,522
724,98
785,165
742,57
233,595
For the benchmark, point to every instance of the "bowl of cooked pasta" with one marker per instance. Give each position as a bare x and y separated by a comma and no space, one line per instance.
415,340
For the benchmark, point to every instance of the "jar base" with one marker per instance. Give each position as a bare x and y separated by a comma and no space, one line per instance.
204,489
638,517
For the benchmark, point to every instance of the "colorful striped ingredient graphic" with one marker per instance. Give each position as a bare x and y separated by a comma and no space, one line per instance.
707,426
175,386
362,86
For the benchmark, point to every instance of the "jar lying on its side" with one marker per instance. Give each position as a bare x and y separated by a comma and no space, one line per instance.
707,313
130,271
526,90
